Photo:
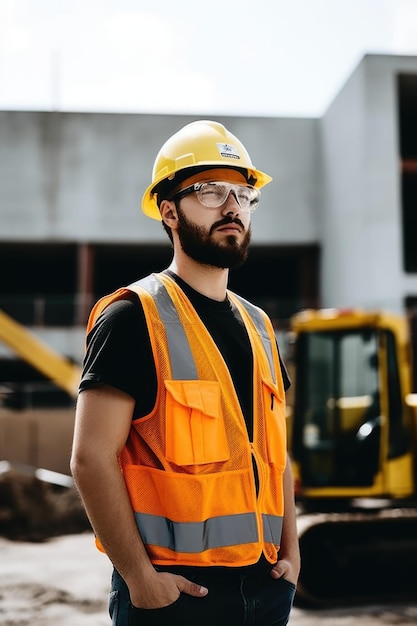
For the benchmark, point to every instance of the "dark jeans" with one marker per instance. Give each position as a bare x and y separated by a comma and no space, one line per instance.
237,597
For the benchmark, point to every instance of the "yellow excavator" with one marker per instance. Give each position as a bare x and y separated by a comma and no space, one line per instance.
38,354
39,433
353,445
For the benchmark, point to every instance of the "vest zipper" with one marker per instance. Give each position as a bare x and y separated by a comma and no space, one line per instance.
258,486
255,471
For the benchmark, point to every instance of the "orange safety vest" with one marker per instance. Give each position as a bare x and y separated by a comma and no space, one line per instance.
188,464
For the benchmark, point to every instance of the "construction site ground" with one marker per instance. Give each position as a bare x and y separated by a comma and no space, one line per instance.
65,580
51,572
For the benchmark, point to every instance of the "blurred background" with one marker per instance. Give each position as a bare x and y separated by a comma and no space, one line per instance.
323,93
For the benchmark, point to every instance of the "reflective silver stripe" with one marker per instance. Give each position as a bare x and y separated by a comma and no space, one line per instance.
195,537
272,528
259,322
182,361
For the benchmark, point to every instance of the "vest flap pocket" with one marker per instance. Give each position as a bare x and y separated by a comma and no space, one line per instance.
202,395
195,431
274,410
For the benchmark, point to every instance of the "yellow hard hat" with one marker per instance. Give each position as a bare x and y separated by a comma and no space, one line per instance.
200,144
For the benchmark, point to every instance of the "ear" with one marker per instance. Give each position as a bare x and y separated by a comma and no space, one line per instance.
169,214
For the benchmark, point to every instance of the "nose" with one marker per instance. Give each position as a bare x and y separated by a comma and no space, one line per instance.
231,204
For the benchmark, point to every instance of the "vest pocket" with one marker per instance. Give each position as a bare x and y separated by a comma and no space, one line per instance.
195,431
274,409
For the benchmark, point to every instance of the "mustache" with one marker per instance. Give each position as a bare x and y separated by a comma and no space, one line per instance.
225,221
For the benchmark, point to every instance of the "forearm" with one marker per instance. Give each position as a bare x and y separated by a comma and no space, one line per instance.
289,549
104,495
99,438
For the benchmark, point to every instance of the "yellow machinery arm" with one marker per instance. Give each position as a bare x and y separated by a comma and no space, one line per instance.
42,357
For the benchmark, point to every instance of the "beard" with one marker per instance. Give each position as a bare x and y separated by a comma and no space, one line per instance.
197,243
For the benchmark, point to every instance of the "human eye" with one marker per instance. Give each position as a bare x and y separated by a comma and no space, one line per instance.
244,195
248,198
212,191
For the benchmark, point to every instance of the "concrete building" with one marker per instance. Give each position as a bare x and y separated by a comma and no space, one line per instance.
335,228
367,213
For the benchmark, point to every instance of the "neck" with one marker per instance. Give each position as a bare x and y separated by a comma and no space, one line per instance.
207,280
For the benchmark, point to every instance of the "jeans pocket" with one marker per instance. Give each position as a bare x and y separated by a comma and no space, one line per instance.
114,607
171,615
289,583
287,600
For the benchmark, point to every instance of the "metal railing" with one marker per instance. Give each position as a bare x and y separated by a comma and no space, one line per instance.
48,310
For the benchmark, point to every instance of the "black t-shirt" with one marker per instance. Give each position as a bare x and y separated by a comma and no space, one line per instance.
119,351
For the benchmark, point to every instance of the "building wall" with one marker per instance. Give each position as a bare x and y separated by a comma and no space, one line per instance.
361,203
80,177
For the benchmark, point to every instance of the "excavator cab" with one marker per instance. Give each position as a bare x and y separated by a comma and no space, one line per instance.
351,425
337,434
353,447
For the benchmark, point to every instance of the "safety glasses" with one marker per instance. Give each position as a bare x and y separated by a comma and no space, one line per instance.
214,194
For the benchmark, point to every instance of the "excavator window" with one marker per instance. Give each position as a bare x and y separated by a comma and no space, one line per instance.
336,432
398,437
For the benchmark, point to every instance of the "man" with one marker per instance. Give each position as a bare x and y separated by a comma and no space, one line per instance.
179,448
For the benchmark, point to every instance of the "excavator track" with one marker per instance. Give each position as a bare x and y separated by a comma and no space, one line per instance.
359,557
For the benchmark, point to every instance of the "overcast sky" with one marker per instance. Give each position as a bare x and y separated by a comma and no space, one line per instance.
230,57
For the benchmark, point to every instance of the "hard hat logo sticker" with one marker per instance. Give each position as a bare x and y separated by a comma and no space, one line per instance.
227,150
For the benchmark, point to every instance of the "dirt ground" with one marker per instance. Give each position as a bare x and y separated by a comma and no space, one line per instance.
65,581
51,572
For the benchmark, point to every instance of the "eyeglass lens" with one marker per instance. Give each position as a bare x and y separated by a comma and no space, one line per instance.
214,194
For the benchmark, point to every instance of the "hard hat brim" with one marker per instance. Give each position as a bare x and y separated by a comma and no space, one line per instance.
149,204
